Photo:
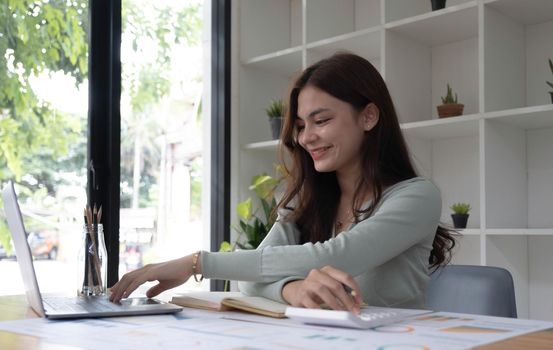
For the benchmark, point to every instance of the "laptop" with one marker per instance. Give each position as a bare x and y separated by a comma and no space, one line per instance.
67,307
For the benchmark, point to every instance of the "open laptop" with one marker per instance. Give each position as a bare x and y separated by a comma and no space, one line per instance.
67,307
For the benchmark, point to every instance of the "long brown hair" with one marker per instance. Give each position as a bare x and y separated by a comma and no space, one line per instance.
385,160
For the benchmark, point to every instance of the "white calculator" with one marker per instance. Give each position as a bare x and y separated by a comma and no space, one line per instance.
370,317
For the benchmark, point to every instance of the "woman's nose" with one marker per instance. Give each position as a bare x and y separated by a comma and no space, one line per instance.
307,135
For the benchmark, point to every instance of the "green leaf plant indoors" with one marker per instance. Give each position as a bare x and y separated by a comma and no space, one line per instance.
460,214
450,106
460,208
448,98
254,224
275,111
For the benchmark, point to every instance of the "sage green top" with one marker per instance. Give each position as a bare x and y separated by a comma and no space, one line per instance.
387,253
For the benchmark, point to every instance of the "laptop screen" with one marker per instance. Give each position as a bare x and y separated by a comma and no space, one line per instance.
22,249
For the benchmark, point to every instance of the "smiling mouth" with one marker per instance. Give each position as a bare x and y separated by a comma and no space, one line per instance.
319,152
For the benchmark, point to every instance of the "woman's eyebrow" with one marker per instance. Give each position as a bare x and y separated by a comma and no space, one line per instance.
315,112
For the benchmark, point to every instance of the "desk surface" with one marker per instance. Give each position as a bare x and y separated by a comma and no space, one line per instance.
15,308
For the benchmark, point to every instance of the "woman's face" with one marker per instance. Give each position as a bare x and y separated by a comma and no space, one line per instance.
331,130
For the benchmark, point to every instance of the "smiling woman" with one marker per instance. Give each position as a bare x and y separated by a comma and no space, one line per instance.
333,131
354,211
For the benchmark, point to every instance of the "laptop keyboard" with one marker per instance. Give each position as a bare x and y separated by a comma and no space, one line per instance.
60,304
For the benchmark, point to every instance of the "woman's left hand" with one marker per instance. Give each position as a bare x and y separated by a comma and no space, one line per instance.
324,286
169,274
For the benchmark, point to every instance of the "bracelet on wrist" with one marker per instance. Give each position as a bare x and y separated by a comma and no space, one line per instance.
195,273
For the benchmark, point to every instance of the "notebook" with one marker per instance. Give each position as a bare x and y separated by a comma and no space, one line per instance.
226,301
67,307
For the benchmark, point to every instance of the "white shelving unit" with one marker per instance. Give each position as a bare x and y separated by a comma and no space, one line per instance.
498,156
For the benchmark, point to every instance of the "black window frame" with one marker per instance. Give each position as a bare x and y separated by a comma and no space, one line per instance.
220,126
104,123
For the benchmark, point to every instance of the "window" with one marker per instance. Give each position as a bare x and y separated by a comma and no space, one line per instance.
43,118
43,128
162,138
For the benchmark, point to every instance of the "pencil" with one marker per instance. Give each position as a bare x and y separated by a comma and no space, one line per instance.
96,266
349,290
86,280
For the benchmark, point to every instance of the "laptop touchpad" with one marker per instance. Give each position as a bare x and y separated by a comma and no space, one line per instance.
140,301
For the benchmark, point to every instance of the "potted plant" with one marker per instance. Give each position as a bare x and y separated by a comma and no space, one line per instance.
253,227
437,4
275,111
460,214
449,106
550,83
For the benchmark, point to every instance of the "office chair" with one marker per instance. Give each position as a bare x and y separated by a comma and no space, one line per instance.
482,290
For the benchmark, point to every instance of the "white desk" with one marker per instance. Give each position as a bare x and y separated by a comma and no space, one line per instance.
15,308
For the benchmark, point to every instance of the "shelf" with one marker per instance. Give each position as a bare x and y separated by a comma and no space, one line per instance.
347,16
363,42
267,26
469,231
270,145
461,126
505,232
540,11
423,50
283,61
497,156
519,232
451,24
510,31
527,118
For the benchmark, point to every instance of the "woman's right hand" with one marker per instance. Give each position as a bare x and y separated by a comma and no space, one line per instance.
169,274
324,286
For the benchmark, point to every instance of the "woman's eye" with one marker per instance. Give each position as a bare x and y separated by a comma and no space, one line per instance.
321,121
300,127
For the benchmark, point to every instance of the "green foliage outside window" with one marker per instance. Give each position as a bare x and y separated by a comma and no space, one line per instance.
150,30
38,38
43,37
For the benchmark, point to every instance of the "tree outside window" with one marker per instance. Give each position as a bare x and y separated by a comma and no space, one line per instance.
43,109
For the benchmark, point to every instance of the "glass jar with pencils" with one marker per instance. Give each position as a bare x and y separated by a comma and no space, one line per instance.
92,258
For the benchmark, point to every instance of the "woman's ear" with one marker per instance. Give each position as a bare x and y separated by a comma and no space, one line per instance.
370,116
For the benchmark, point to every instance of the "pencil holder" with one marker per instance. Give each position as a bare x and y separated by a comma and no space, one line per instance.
92,266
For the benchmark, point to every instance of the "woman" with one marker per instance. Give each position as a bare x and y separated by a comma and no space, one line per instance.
354,213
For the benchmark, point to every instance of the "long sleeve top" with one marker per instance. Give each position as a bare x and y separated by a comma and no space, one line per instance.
387,253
